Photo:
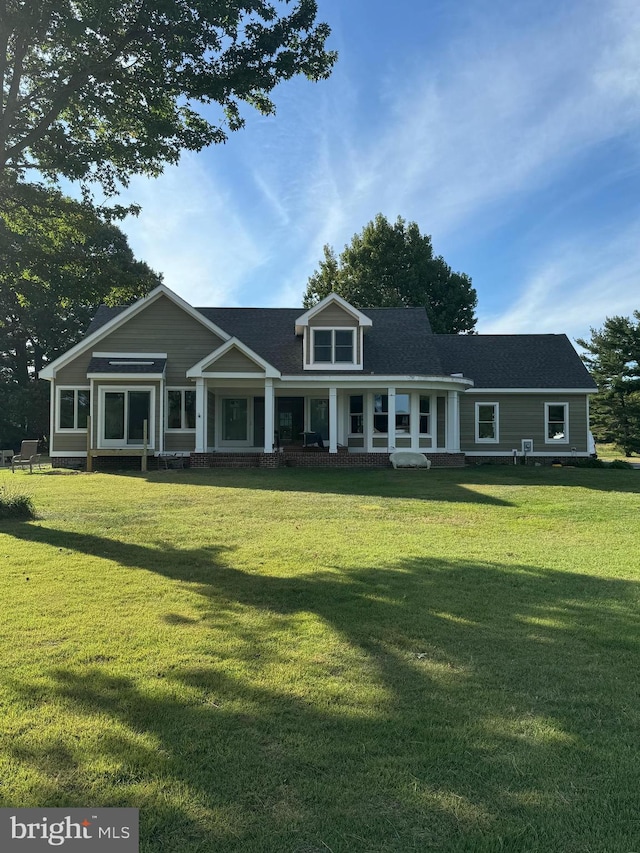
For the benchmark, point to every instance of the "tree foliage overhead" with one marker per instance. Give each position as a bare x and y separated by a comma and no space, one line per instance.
102,89
59,260
613,357
392,265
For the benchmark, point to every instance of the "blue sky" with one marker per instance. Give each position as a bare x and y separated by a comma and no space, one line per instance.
509,132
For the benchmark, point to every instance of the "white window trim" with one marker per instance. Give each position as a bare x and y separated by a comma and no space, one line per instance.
362,414
429,415
401,432
333,364
183,411
554,442
375,414
75,389
496,438
105,443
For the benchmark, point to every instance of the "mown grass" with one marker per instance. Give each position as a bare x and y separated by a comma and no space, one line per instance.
325,660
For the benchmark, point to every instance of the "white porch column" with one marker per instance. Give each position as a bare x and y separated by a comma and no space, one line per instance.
343,405
415,421
367,404
391,420
453,421
333,420
269,407
201,416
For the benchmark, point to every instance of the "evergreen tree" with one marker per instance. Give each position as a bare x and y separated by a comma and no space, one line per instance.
613,357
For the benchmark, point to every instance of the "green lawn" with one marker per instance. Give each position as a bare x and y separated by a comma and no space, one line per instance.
307,661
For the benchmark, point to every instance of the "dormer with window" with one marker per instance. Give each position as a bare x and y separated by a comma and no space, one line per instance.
333,335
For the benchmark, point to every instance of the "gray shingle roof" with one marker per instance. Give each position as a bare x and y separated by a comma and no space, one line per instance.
514,361
103,315
401,342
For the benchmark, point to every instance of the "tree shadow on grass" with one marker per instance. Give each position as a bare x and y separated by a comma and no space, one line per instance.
459,485
455,706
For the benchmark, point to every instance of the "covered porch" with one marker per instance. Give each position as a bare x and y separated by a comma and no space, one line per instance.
352,416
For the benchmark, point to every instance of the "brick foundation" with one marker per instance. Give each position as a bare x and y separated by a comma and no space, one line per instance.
304,459
76,463
531,460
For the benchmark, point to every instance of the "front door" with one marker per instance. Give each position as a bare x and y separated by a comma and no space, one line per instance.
236,428
290,419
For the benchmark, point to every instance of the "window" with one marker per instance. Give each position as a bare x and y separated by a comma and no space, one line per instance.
333,346
356,414
74,406
425,415
181,408
124,412
403,413
487,422
556,422
380,413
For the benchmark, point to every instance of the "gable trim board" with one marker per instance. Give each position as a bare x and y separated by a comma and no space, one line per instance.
202,367
120,319
333,298
260,359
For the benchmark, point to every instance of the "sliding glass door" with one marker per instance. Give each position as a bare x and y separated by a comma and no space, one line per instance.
124,412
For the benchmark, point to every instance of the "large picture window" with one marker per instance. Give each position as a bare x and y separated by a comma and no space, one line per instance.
333,346
487,422
181,409
74,405
556,417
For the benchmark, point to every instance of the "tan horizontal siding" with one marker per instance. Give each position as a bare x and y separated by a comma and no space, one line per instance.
333,315
234,361
523,416
64,441
174,441
163,327
75,373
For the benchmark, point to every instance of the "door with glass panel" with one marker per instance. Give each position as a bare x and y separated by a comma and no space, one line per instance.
319,417
124,415
235,428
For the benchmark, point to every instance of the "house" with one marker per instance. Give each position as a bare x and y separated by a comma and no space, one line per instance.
224,384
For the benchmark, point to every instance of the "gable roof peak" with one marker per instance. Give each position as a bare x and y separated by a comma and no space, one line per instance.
336,299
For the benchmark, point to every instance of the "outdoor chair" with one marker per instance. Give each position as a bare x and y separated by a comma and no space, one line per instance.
28,456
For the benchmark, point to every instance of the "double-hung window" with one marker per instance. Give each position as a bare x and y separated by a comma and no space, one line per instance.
403,413
487,422
425,415
380,412
556,417
181,409
74,405
333,346
356,414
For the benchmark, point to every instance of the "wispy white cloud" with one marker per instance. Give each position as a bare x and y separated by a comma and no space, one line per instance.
192,231
584,281
454,136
